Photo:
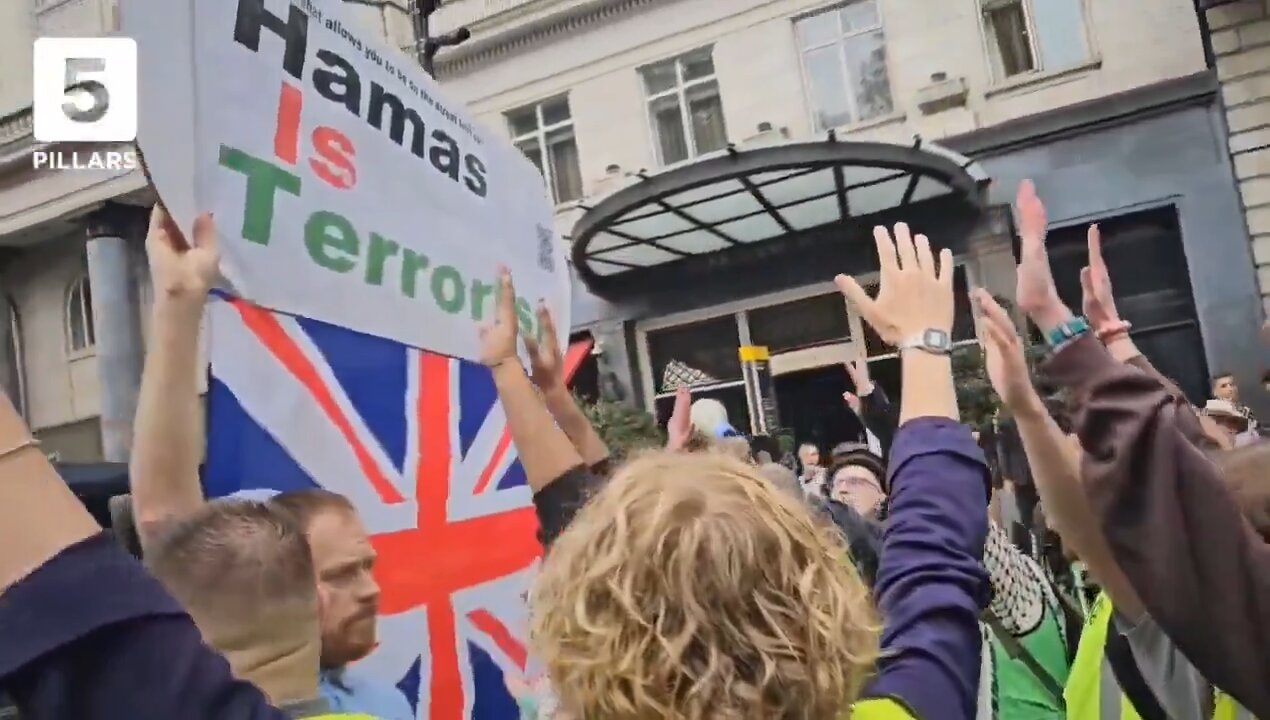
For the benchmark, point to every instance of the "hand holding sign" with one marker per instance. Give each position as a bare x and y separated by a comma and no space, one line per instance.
180,270
347,187
498,338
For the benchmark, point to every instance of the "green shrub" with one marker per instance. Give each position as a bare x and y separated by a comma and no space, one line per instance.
623,428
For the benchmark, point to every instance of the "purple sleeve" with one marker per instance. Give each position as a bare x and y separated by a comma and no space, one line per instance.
90,635
931,582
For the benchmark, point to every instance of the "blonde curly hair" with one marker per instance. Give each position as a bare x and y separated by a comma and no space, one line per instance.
690,587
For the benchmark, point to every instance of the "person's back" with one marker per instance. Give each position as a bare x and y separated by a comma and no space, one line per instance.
244,572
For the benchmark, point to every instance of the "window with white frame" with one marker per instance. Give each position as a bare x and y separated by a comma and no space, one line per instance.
1027,36
844,60
684,106
544,132
81,336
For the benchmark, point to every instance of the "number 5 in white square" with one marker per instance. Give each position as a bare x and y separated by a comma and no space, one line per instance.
85,90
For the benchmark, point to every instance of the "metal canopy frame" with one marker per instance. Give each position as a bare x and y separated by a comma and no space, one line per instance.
731,204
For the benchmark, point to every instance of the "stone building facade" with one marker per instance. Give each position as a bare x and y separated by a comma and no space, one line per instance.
1124,128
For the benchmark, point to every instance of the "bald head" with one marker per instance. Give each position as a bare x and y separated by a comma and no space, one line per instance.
244,572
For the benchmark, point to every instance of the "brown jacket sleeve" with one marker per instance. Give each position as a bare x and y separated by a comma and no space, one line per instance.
1201,570
1197,428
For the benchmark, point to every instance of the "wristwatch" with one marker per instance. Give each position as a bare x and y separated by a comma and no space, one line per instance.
933,341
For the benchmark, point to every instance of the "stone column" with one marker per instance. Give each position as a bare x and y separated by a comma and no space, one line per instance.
615,364
112,231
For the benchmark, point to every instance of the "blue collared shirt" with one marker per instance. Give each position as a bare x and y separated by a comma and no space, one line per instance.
353,692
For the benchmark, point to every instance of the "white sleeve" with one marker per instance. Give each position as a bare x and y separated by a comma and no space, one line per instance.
875,445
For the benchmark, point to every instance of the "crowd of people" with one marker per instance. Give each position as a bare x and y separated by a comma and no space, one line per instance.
704,580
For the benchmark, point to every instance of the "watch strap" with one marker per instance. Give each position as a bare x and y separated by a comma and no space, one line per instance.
1067,332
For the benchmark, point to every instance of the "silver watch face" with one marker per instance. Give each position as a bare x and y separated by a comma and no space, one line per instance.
937,340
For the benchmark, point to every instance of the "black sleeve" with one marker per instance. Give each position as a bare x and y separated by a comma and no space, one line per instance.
90,635
558,503
880,417
603,468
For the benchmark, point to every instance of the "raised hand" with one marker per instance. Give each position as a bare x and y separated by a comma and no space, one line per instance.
1036,292
1097,301
545,360
853,401
180,270
498,339
679,428
1004,357
915,295
859,378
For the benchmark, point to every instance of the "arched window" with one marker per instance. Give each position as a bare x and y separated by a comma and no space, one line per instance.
80,333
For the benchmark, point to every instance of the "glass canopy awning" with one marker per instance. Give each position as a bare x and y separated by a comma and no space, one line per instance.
743,198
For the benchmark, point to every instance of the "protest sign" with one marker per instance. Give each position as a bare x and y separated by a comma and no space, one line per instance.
346,186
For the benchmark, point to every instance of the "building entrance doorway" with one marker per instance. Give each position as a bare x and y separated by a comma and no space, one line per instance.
808,335
812,408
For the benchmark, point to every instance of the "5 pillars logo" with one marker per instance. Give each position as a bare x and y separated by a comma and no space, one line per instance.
85,94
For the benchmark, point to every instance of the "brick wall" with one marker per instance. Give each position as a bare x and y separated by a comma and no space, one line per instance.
1241,41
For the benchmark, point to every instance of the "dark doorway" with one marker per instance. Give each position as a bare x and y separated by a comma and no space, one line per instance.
1148,269
811,407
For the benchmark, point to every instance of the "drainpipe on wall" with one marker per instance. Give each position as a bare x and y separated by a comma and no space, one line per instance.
1206,35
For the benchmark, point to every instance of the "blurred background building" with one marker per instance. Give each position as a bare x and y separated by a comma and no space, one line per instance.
720,161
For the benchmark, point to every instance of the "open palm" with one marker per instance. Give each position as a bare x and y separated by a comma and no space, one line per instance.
498,338
545,359
1003,353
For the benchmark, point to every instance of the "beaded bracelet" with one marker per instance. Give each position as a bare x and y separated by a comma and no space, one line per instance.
1114,331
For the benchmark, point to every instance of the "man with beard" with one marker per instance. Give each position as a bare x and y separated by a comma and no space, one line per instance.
164,473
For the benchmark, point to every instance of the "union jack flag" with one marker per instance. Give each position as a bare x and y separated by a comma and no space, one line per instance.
419,443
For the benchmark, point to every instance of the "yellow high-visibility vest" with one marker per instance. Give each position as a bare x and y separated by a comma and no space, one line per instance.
1092,692
879,709
1225,708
